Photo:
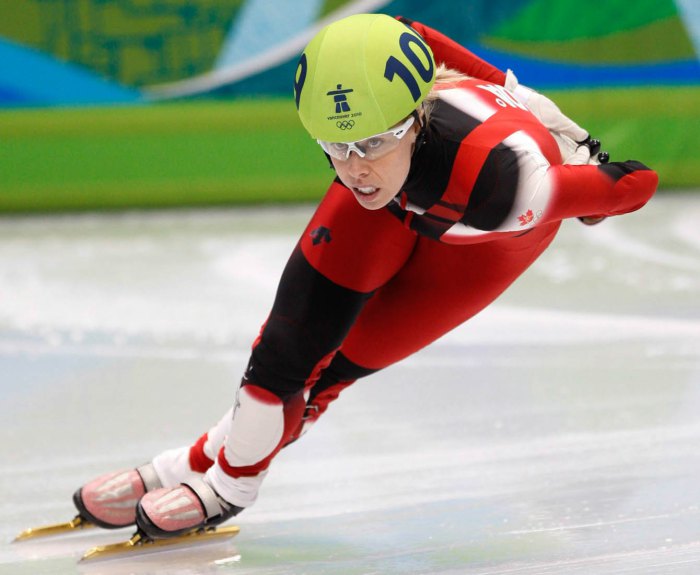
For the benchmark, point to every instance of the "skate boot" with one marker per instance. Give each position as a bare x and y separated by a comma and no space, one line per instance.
189,506
110,500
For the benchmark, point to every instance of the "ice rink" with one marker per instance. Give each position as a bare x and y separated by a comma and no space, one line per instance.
556,433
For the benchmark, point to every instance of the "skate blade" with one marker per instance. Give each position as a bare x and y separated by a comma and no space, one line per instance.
58,528
139,543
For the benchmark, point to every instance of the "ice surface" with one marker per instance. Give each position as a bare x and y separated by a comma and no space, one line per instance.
556,433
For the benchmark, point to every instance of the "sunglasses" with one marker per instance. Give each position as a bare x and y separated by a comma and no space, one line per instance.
371,148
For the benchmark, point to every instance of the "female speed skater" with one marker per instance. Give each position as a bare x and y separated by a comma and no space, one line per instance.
452,179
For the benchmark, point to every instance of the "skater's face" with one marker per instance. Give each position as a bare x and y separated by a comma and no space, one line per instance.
375,182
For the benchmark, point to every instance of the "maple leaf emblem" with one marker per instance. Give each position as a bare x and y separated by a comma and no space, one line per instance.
526,218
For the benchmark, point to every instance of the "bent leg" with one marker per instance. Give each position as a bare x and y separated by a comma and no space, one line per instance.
441,287
344,255
438,289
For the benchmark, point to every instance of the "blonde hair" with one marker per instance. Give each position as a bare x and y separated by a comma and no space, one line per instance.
443,75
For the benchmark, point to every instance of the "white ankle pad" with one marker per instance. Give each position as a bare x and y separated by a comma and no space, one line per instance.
173,467
257,426
240,491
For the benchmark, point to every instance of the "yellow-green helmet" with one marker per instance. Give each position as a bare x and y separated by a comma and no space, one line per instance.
360,76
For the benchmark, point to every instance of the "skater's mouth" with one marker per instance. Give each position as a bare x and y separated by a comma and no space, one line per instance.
366,190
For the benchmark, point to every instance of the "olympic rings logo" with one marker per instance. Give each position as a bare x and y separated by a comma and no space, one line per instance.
345,124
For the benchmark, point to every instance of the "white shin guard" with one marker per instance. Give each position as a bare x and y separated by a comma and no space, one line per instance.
249,432
257,427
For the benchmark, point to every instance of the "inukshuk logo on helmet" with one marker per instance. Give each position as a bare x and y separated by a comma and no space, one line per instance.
342,107
340,99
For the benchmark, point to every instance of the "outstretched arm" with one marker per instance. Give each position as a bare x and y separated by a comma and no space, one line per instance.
600,190
548,193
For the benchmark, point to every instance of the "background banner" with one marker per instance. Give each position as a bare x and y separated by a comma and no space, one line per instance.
112,104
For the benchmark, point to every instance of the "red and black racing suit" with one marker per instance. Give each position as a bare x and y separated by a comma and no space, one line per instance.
485,196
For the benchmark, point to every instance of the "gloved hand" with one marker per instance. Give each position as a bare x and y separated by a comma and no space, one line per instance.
581,153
